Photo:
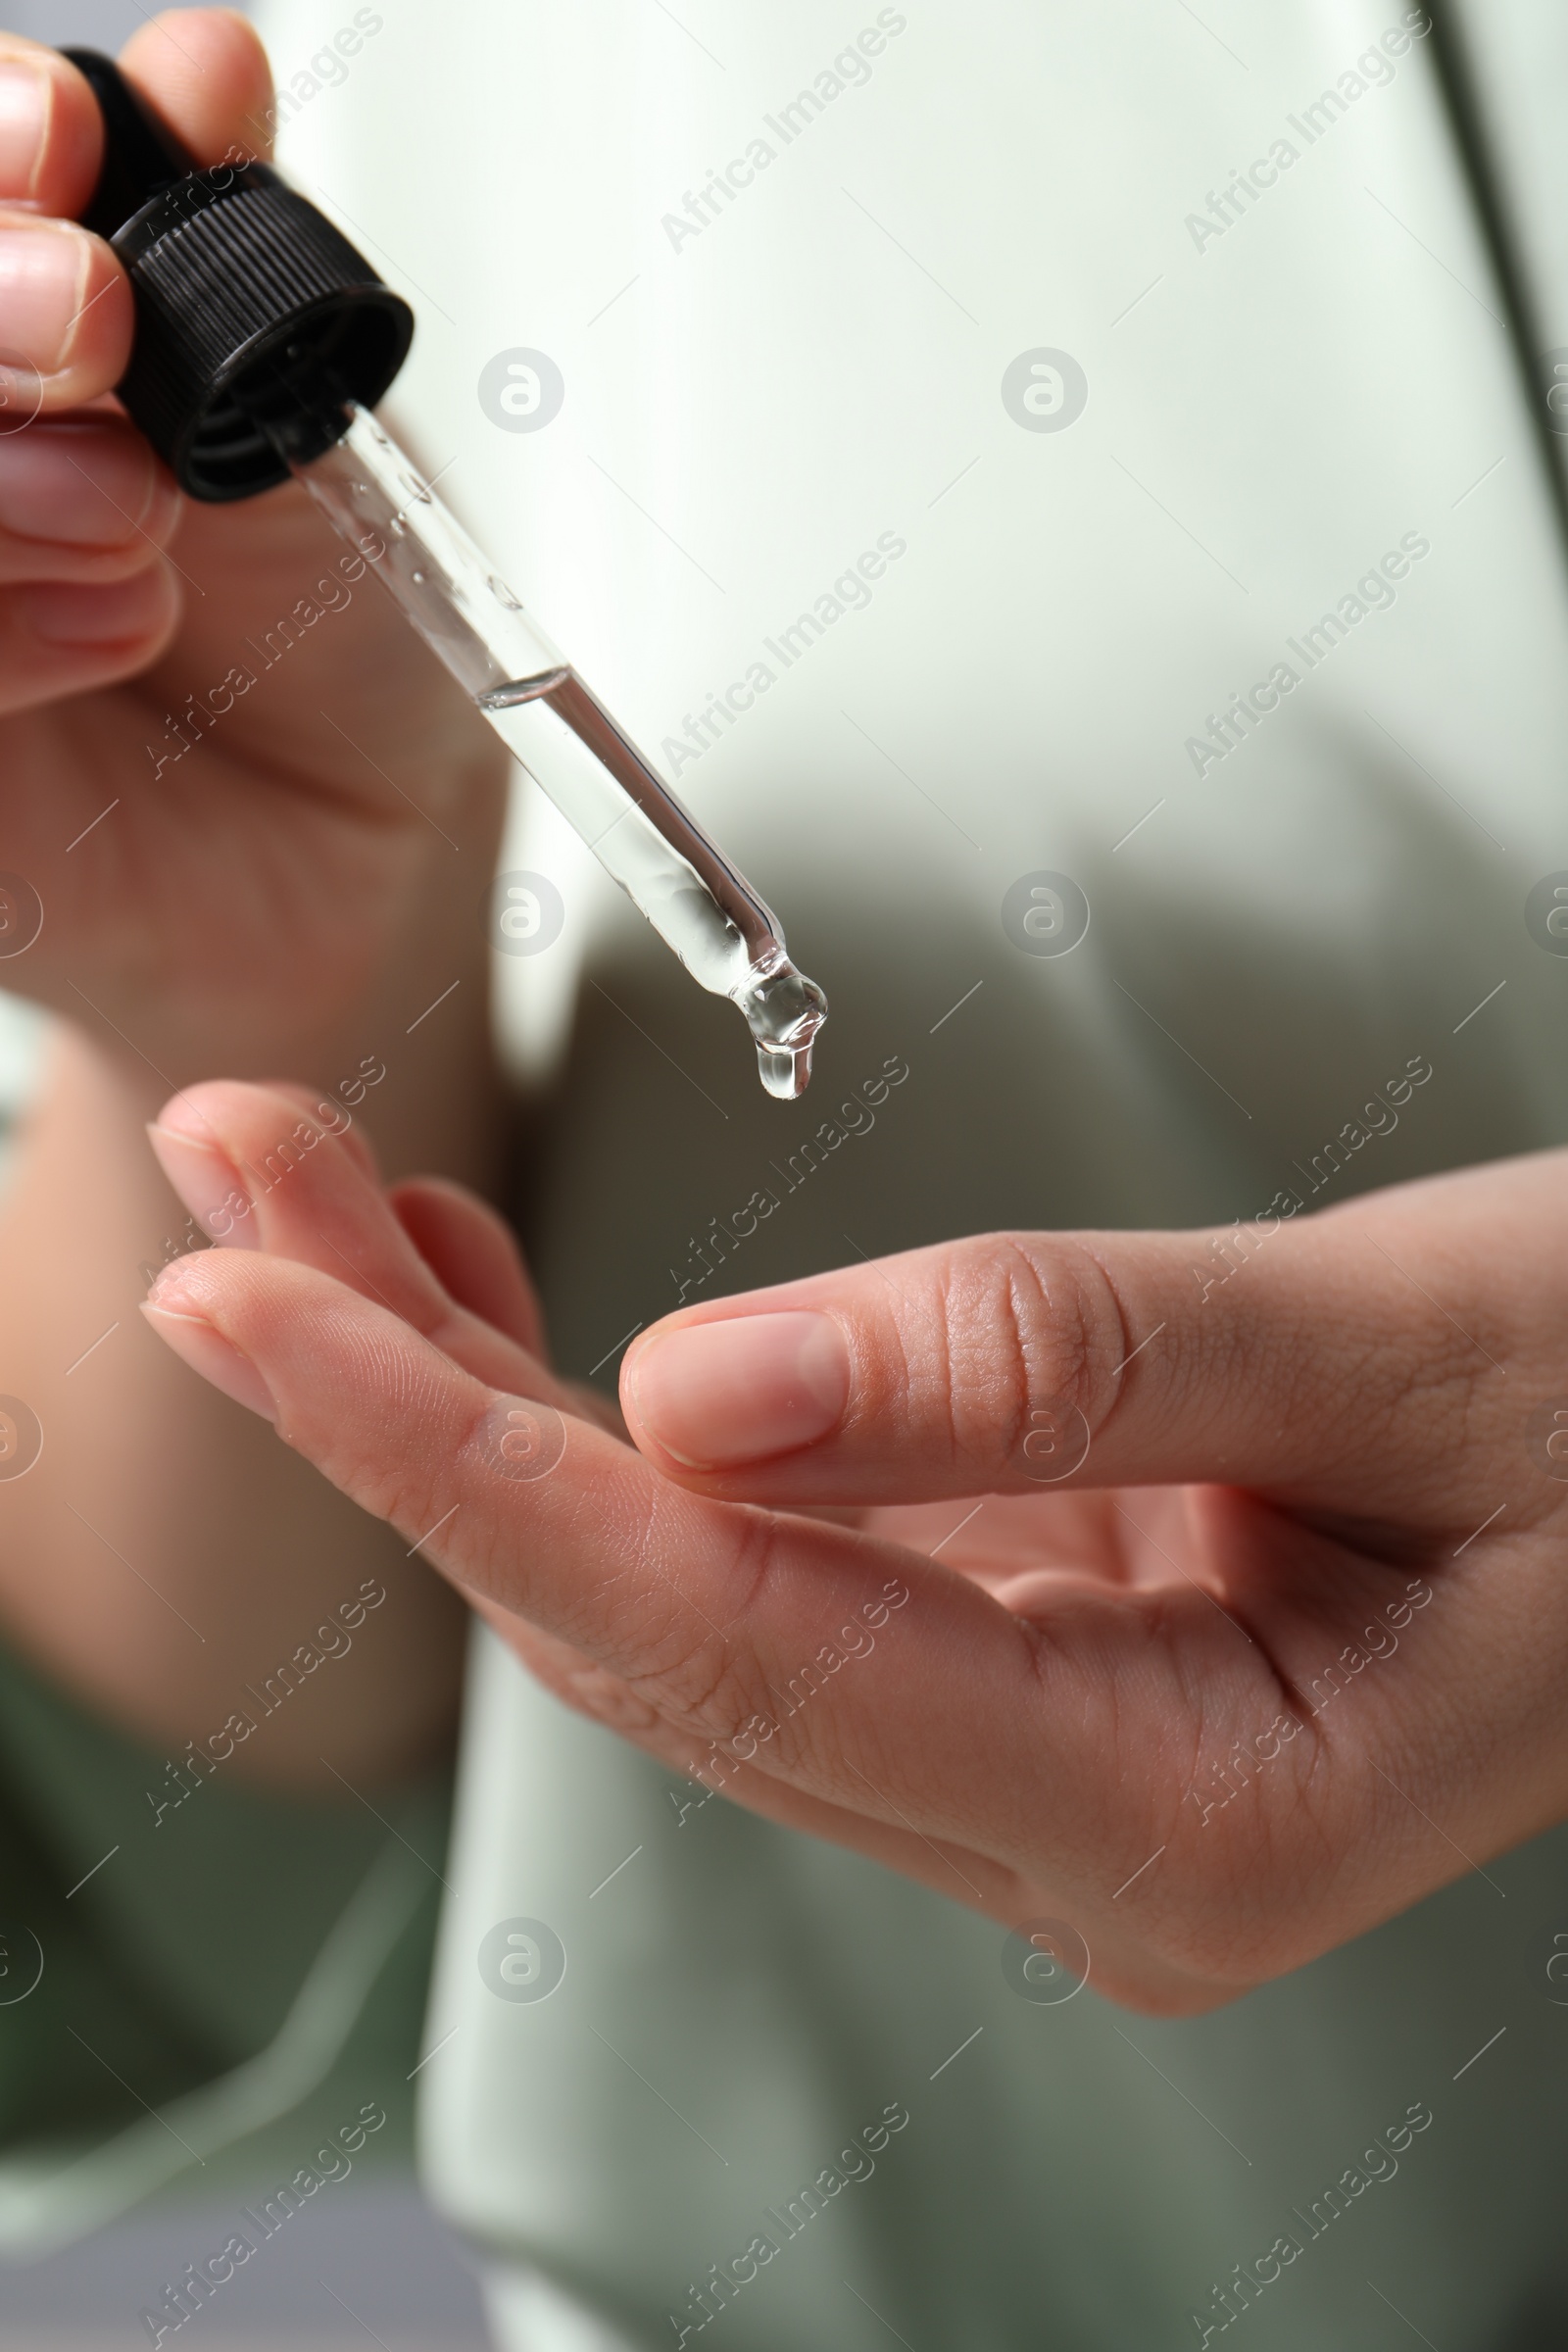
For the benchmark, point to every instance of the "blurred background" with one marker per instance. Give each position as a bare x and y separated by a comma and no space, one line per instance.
366,2263
105,24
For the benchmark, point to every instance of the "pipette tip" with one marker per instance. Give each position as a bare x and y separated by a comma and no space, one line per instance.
784,1011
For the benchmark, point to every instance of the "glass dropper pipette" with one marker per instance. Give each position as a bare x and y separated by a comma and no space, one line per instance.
697,901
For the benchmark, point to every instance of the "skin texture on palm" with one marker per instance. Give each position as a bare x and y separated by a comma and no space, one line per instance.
1127,1701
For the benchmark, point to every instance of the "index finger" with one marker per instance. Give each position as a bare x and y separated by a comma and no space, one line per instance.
1354,1358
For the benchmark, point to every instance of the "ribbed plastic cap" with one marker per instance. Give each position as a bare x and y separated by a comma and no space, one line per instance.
257,321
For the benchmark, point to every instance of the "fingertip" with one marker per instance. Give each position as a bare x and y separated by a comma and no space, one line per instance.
88,496
60,639
204,72
187,1111
215,1141
117,629
206,1179
737,1390
335,1117
196,1343
51,132
66,315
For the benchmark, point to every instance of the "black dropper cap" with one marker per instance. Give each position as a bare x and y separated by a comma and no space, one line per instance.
257,324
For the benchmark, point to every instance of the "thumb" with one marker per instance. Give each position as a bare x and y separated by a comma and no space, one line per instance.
1331,1358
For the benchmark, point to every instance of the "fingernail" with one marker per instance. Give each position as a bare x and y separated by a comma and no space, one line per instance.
43,267
26,94
76,483
209,1183
742,1389
197,1343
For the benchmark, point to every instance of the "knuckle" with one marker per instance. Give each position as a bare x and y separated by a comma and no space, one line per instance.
1023,1321
694,1686
605,1699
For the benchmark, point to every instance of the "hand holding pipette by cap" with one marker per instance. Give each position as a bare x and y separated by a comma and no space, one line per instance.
256,817
262,340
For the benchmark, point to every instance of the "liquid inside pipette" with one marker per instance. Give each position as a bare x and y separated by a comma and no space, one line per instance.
697,901
555,726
